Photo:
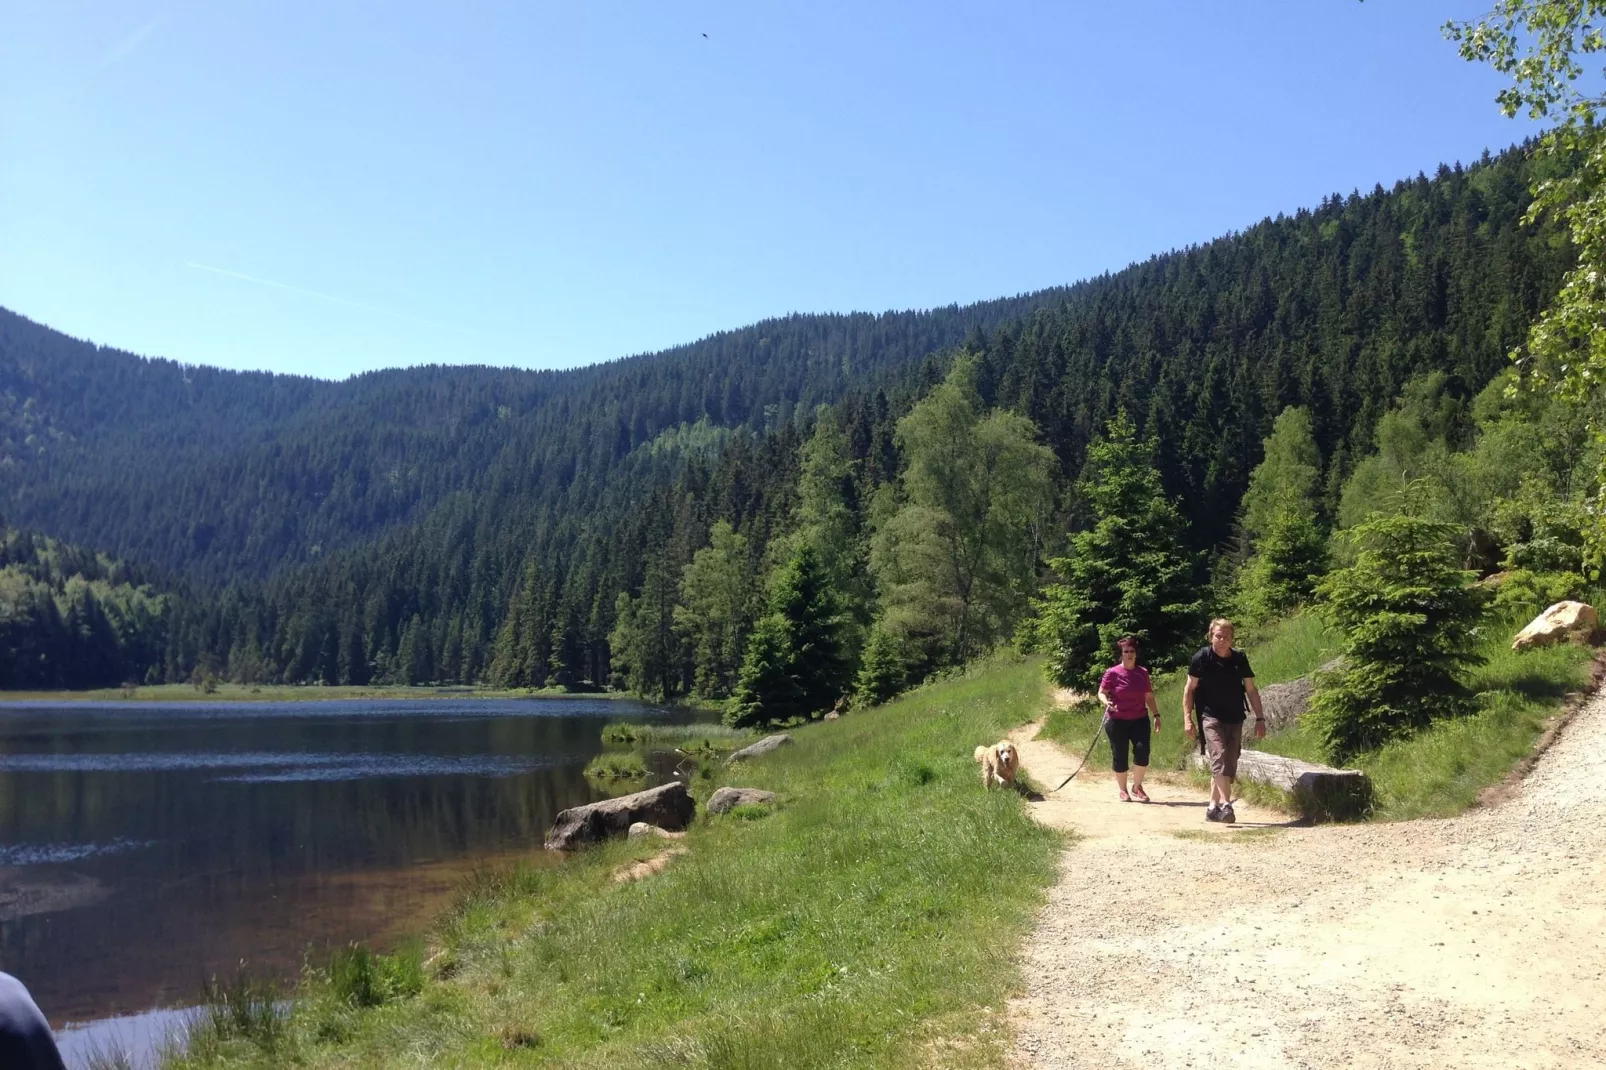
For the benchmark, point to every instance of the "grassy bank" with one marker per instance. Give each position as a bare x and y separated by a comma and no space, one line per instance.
859,923
1436,773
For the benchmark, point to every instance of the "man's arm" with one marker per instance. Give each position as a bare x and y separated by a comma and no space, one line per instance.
1187,703
1254,704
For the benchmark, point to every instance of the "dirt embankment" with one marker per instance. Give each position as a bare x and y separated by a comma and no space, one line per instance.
1474,942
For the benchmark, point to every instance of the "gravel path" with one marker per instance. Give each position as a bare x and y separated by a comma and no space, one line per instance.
1474,942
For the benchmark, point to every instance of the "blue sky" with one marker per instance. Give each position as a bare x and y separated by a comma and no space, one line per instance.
329,187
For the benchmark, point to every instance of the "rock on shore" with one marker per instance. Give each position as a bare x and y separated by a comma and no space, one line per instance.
668,807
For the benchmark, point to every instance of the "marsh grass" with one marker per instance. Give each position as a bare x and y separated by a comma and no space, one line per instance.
858,925
611,765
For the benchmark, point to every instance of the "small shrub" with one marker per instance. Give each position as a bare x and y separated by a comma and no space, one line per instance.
361,978
1527,594
1409,614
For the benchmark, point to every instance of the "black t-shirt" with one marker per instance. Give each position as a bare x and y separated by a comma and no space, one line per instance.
1220,693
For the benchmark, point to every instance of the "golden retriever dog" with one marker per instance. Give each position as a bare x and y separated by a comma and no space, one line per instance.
998,764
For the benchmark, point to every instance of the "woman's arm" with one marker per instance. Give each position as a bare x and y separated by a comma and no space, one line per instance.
1154,709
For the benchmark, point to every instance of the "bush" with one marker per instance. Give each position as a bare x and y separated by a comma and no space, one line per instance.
360,978
1290,560
1409,615
1525,593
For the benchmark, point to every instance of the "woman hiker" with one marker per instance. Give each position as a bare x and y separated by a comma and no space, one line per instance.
1128,699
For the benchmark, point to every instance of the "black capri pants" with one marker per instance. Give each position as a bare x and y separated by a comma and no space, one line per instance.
1123,732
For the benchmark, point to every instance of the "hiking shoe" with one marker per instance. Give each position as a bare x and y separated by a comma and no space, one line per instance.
1212,812
1227,816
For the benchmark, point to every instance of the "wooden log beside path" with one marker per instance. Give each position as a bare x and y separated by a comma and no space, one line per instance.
1319,792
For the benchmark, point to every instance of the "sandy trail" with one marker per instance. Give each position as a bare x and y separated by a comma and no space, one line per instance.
1473,942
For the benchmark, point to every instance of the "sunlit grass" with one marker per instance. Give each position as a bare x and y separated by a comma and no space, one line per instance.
856,924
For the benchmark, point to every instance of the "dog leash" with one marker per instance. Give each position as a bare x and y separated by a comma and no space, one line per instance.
1096,734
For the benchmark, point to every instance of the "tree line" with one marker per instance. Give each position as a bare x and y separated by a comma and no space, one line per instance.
887,519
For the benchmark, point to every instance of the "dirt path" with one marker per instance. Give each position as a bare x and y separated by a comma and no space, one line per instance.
1475,942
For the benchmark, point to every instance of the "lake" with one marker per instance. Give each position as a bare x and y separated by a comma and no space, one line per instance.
146,847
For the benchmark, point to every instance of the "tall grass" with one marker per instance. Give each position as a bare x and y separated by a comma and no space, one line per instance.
857,925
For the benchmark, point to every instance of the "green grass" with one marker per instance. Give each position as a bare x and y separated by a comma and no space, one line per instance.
706,740
610,766
859,925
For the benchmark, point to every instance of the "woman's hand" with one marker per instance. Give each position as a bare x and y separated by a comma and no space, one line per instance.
1157,724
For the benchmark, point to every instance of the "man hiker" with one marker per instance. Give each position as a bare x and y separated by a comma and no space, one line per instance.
1219,680
25,1039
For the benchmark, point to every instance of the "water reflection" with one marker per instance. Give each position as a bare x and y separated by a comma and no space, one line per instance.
144,848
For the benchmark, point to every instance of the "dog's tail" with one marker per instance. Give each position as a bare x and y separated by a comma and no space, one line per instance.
981,754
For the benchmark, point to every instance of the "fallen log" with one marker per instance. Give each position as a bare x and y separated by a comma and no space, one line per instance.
1319,792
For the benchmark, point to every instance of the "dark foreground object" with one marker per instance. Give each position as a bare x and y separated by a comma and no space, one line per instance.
26,1042
668,807
1319,792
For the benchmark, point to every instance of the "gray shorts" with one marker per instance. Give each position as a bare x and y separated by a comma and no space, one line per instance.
1224,740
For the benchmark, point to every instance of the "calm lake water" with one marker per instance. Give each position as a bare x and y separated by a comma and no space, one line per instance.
146,847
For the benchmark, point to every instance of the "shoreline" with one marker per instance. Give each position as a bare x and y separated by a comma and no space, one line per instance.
170,693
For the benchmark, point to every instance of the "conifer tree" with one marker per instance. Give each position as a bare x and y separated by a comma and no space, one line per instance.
796,663
1126,575
1409,614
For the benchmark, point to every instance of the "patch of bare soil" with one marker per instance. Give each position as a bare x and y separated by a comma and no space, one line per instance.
1473,942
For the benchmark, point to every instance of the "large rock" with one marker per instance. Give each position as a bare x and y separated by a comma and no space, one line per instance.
668,807
1283,704
762,747
1574,622
726,799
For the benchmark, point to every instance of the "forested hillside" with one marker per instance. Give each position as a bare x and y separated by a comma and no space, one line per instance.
619,522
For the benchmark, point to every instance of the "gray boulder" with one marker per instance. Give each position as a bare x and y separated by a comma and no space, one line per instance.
763,746
1285,703
668,807
726,799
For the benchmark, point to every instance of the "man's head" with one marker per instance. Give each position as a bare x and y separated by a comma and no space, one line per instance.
1221,636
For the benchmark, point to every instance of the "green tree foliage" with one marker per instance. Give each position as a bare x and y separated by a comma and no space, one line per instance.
715,614
796,665
306,517
1543,46
1281,518
1127,574
1288,476
1409,614
891,662
71,618
646,648
956,563
829,514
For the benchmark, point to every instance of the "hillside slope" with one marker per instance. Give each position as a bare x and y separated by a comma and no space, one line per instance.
385,528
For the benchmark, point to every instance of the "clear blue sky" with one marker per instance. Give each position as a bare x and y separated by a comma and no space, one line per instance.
330,186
